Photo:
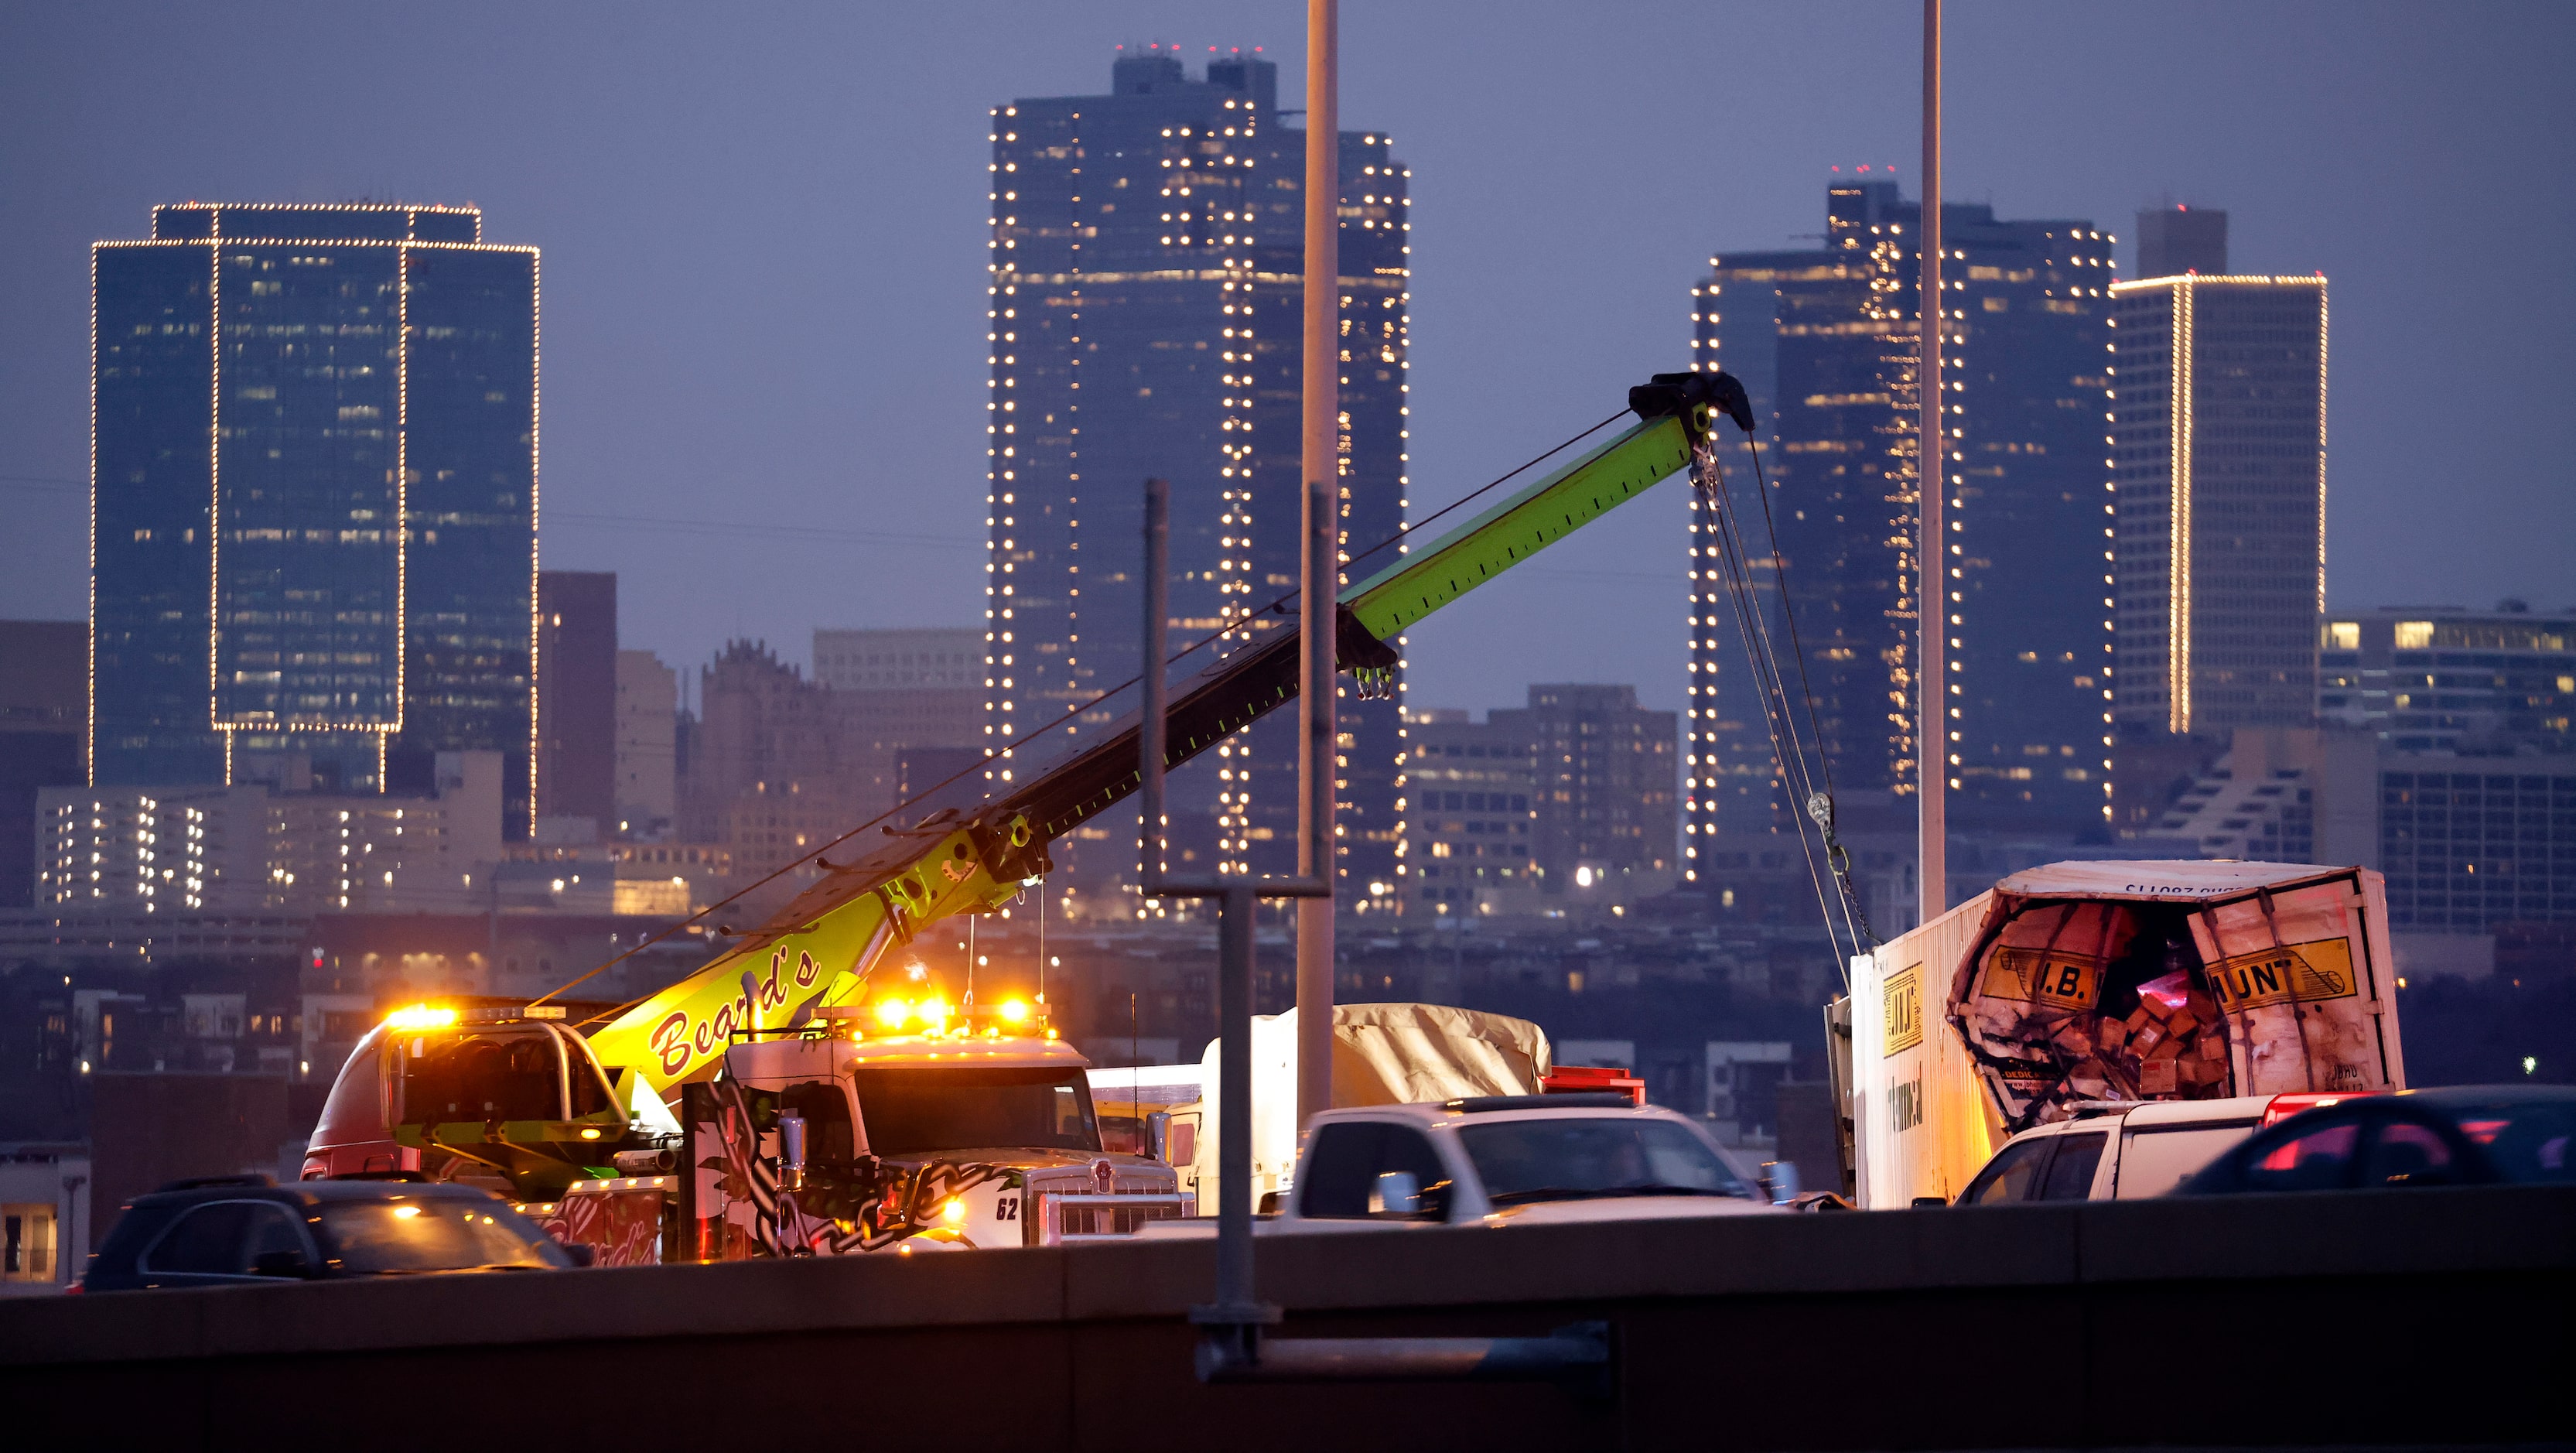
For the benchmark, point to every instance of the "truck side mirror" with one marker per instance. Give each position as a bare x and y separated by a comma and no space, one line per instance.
791,1152
1396,1193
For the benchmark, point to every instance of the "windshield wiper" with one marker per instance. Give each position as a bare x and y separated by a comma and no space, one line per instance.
1549,1193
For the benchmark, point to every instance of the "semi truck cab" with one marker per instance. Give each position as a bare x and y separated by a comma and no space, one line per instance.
912,1141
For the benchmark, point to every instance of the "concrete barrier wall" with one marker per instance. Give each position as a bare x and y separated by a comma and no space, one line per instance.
2426,1317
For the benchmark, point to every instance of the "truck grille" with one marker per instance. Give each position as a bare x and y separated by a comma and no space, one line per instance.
1068,1218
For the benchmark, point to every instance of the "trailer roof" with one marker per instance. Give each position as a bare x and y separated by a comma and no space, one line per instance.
2168,880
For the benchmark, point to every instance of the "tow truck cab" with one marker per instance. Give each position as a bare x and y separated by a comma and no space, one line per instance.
507,1097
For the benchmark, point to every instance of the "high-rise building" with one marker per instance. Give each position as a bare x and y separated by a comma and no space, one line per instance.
1825,341
2217,450
1145,322
577,695
2176,240
314,492
648,717
1567,802
1471,794
767,732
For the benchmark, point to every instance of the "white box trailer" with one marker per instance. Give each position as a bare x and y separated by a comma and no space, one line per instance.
2083,984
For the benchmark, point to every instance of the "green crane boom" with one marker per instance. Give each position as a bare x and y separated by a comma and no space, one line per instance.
817,951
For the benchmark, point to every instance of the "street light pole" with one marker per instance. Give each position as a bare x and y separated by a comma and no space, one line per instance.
1931,483
1320,586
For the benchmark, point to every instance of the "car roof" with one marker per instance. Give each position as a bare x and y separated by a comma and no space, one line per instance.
2199,1112
2234,1110
318,1192
1440,1112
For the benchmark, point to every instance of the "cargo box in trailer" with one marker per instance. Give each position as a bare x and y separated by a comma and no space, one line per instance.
2087,984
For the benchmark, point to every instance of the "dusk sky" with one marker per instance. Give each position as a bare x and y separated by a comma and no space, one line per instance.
763,232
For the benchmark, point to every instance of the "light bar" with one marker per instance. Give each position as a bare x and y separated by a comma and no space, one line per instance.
510,1013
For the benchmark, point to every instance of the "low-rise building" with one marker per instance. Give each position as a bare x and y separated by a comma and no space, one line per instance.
2443,679
44,1215
254,849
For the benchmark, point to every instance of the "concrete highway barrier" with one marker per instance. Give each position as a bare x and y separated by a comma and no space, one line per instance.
2431,1317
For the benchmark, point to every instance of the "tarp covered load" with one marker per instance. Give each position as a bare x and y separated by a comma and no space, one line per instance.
2117,982
1398,1054
1383,1054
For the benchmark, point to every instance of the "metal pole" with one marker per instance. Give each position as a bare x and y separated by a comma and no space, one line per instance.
1231,1347
1321,585
1932,482
1234,1099
1150,750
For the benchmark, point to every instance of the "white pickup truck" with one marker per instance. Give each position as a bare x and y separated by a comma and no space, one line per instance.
2127,1153
1505,1160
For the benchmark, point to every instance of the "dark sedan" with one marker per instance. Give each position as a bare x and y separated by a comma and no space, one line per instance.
2470,1135
245,1230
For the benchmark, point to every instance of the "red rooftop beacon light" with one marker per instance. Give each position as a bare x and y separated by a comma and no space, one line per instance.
1593,1079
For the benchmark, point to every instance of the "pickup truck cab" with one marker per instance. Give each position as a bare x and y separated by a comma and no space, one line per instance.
2128,1152
1506,1160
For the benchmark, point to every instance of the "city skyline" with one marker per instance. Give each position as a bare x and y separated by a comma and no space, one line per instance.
674,412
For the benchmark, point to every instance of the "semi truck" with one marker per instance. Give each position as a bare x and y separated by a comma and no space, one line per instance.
2084,988
684,1111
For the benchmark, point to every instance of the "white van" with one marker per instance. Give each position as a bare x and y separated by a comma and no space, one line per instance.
2126,1153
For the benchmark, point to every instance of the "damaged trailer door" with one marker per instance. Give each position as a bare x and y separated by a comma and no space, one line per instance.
2081,986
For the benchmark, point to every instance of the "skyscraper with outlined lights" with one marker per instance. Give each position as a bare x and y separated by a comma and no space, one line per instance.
1146,295
1825,341
314,496
2218,447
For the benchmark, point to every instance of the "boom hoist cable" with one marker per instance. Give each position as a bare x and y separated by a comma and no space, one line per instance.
1820,806
1814,789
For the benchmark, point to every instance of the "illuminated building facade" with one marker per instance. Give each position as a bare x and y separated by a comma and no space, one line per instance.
1565,803
1471,791
2217,463
1825,342
253,849
1602,811
2473,683
314,479
1145,322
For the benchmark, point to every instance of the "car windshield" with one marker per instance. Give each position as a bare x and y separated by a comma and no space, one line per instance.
1564,1158
2527,1140
910,1111
434,1234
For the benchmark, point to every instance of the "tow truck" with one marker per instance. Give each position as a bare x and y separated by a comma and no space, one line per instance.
773,1047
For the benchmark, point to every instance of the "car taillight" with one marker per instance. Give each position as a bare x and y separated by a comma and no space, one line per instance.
72,1290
